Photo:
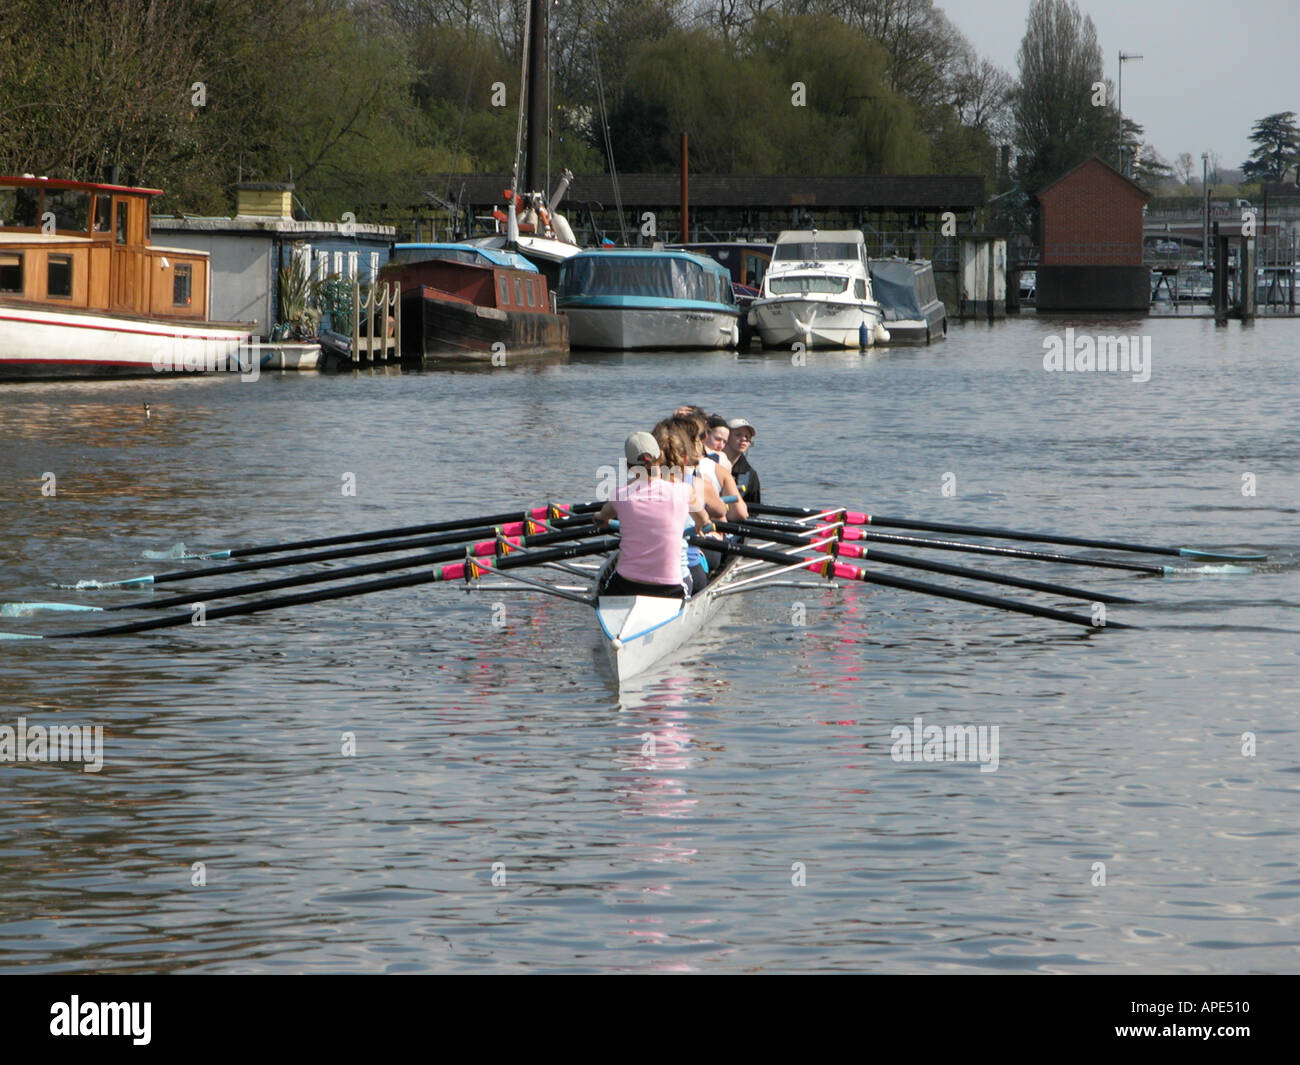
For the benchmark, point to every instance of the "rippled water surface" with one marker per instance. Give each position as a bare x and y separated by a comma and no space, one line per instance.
479,744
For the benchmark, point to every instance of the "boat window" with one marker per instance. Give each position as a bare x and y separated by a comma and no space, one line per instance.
860,289
610,274
121,221
20,207
11,272
103,213
58,277
504,286
532,293
181,291
519,293
820,251
71,209
824,283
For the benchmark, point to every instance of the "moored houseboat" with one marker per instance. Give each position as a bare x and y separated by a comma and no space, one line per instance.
629,298
84,291
467,303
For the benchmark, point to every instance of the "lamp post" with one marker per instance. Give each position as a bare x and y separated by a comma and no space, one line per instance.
1124,57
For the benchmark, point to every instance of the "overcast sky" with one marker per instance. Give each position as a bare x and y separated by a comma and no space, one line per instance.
1211,68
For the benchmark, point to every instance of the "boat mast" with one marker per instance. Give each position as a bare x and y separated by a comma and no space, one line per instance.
535,49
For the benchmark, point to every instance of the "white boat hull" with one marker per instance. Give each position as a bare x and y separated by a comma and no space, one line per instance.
817,323
639,631
626,329
38,342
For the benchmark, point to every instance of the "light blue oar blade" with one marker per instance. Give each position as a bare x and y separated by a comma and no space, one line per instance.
211,555
130,582
25,610
176,551
1219,556
19,636
1225,569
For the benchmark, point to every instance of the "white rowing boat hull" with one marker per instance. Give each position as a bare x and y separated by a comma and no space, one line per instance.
638,631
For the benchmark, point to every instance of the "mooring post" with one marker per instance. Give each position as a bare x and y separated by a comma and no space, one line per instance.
1220,277
1246,277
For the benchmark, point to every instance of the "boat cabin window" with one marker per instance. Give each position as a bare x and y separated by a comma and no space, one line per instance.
11,272
531,292
181,285
58,277
802,283
820,251
519,293
103,213
860,289
71,210
20,208
504,286
121,221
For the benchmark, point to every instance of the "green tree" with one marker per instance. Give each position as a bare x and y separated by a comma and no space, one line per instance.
1061,114
1277,148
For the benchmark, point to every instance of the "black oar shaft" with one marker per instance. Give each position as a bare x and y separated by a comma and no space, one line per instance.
364,588
983,549
910,585
478,533
888,558
404,530
449,554
1013,534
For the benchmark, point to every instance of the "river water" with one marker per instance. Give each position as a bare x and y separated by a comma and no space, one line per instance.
738,809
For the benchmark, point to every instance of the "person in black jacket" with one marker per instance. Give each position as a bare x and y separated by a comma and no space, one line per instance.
738,443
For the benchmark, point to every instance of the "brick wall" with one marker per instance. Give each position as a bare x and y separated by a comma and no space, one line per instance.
1092,217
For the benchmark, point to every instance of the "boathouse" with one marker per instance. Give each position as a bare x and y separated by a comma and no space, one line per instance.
247,251
1090,241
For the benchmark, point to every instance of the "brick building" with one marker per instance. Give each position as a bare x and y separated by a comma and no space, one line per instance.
1090,241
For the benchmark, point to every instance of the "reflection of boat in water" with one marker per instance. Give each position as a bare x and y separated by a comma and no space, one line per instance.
906,292
818,292
465,302
84,292
630,298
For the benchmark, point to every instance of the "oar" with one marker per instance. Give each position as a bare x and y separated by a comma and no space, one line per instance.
518,528
499,547
536,513
760,526
468,570
852,517
843,570
873,555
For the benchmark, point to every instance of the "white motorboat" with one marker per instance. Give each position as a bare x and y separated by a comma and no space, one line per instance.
818,292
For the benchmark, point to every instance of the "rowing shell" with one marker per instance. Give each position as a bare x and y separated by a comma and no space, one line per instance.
640,630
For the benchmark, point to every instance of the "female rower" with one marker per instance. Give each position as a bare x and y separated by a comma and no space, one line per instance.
719,481
652,511
689,434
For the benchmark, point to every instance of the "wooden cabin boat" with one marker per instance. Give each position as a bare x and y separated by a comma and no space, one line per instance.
460,301
84,292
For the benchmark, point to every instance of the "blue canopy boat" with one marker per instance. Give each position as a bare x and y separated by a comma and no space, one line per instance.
627,298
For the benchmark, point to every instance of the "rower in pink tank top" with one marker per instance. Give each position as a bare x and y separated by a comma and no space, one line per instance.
651,516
